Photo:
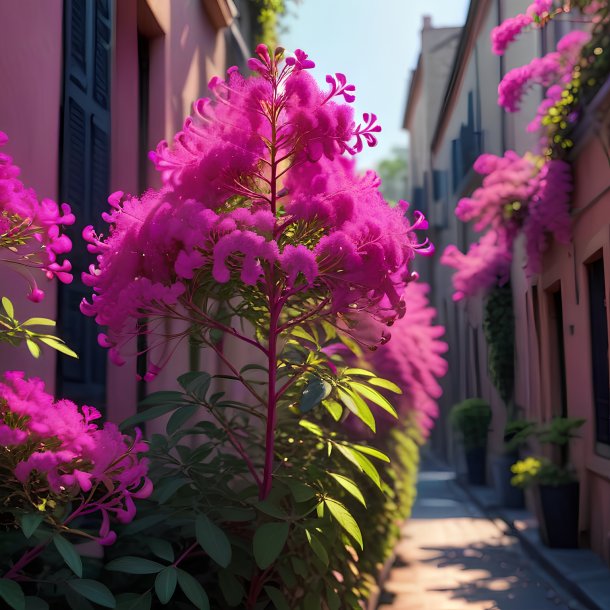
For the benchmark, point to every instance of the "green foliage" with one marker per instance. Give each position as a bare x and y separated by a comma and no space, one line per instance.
471,418
542,470
517,433
498,326
268,13
560,430
588,77
14,332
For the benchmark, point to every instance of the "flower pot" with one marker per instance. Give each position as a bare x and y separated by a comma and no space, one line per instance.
559,511
508,495
476,465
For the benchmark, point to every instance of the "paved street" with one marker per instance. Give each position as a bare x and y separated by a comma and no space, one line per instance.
451,557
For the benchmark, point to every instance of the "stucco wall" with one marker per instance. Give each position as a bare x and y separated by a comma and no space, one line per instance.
31,69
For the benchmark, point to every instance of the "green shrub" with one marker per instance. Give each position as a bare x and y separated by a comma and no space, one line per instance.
471,418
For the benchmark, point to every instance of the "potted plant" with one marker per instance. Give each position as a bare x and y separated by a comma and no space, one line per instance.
555,484
516,434
471,418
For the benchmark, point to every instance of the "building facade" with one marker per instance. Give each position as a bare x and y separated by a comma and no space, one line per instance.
561,317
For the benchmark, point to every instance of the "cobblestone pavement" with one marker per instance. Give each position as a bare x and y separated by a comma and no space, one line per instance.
451,557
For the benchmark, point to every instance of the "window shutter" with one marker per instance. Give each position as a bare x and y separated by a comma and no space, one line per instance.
85,168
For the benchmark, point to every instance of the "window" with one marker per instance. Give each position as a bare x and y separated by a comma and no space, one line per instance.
85,166
599,350
557,353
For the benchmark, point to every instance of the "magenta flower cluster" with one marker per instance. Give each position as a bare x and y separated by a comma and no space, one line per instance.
259,191
503,35
551,70
30,230
518,193
56,449
414,360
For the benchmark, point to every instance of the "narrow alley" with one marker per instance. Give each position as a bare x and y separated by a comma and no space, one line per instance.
452,557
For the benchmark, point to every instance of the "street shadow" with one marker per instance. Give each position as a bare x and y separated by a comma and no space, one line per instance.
483,575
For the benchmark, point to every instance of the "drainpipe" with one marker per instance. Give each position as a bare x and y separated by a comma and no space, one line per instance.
502,114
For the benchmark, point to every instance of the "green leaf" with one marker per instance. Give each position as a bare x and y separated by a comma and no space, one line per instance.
59,345
142,523
357,406
8,307
277,597
213,540
38,322
349,486
333,601
345,519
10,591
300,491
270,508
158,398
301,333
33,347
93,591
196,383
69,554
386,384
253,367
334,408
32,602
134,565
180,417
165,584
30,523
193,590
313,428
361,372
161,548
231,588
311,602
374,396
168,487
315,391
134,601
147,415
317,547
372,451
269,540
363,463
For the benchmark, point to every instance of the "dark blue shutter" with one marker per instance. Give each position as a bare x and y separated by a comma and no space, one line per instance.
85,166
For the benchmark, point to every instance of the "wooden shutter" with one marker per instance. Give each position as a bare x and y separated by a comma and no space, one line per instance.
85,163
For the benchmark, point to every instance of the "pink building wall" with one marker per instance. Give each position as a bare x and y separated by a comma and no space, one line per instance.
538,367
31,71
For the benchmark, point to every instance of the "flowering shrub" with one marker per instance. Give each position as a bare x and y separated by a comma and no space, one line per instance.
262,233
62,476
261,214
530,194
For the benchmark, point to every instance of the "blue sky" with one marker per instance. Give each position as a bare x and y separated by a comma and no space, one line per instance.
375,44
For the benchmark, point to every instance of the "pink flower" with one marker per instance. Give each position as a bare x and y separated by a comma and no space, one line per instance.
30,230
55,445
254,199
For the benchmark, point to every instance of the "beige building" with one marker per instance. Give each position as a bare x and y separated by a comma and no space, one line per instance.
561,318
